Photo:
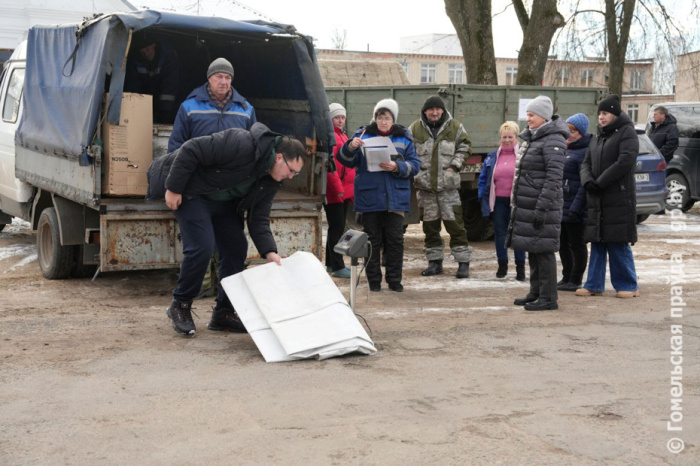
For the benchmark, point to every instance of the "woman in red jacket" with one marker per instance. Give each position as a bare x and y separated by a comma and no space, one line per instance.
339,197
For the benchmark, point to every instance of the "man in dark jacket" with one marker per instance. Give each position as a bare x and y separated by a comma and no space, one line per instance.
212,183
607,174
212,107
664,132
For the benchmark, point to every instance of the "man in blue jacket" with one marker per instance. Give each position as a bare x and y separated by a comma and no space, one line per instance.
212,107
212,183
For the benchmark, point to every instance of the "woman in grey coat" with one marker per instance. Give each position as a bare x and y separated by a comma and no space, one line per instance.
538,200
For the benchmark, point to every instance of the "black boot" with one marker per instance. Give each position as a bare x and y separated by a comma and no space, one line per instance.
527,299
180,313
520,271
434,268
463,270
225,320
542,305
502,268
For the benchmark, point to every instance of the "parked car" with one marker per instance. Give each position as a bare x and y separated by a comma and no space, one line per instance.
683,174
649,175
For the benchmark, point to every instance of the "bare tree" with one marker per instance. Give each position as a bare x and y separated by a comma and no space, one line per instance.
538,29
472,21
339,39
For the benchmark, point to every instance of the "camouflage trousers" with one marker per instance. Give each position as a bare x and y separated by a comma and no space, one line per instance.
438,209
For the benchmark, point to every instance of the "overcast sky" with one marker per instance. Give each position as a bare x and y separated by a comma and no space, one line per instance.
374,23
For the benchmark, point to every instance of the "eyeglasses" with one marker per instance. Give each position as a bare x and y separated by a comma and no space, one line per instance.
293,172
384,120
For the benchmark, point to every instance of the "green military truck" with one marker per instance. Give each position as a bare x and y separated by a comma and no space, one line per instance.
481,109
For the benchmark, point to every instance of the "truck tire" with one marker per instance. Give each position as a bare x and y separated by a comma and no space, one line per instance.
676,183
641,218
478,228
55,260
80,270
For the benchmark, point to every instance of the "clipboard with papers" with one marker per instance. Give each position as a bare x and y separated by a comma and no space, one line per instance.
378,150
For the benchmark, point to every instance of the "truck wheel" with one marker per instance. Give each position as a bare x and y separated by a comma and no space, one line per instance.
80,270
641,218
55,260
478,228
678,193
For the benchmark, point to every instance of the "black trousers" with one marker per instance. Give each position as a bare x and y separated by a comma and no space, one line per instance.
543,275
389,226
573,252
335,214
204,226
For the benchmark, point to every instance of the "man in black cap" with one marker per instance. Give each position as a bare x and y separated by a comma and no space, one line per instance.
212,107
442,144
154,68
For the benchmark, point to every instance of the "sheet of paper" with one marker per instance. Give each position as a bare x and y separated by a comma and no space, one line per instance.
378,150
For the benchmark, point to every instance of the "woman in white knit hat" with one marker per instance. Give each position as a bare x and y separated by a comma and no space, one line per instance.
339,195
383,197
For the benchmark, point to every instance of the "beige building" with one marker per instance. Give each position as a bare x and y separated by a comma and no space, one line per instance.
688,77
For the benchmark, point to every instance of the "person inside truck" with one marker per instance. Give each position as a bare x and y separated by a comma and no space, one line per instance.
383,196
442,144
212,107
211,192
154,68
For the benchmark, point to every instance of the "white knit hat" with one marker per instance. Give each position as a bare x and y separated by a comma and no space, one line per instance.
389,104
336,109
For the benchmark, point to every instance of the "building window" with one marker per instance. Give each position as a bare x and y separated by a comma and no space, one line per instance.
405,67
456,74
587,77
428,73
511,74
633,112
562,77
637,80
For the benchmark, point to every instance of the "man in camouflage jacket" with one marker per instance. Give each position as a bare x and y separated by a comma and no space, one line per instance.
442,145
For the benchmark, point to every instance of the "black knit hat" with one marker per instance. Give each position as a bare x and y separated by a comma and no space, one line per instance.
611,104
433,101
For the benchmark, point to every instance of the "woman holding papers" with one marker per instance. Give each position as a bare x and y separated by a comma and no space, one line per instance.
385,161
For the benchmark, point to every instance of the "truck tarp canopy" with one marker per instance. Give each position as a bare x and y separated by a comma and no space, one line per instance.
65,84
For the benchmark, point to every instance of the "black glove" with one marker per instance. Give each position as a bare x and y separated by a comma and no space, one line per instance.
538,220
592,187
573,217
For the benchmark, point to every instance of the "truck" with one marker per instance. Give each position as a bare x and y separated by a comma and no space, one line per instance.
63,90
481,109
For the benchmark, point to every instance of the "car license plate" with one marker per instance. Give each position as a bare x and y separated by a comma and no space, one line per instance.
641,177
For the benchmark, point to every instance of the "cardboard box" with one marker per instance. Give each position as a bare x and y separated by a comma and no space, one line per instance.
128,147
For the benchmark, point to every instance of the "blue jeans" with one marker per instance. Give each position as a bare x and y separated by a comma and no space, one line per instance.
501,218
622,272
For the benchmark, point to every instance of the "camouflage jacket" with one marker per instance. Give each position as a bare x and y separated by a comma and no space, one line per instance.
450,148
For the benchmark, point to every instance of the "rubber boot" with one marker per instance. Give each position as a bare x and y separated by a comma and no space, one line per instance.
502,269
463,270
434,268
520,271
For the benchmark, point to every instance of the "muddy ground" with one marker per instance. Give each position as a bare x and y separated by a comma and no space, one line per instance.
92,372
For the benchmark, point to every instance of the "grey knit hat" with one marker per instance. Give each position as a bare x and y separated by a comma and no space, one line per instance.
542,106
336,109
389,104
220,65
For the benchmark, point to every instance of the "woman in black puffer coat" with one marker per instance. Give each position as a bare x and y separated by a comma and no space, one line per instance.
535,222
607,173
